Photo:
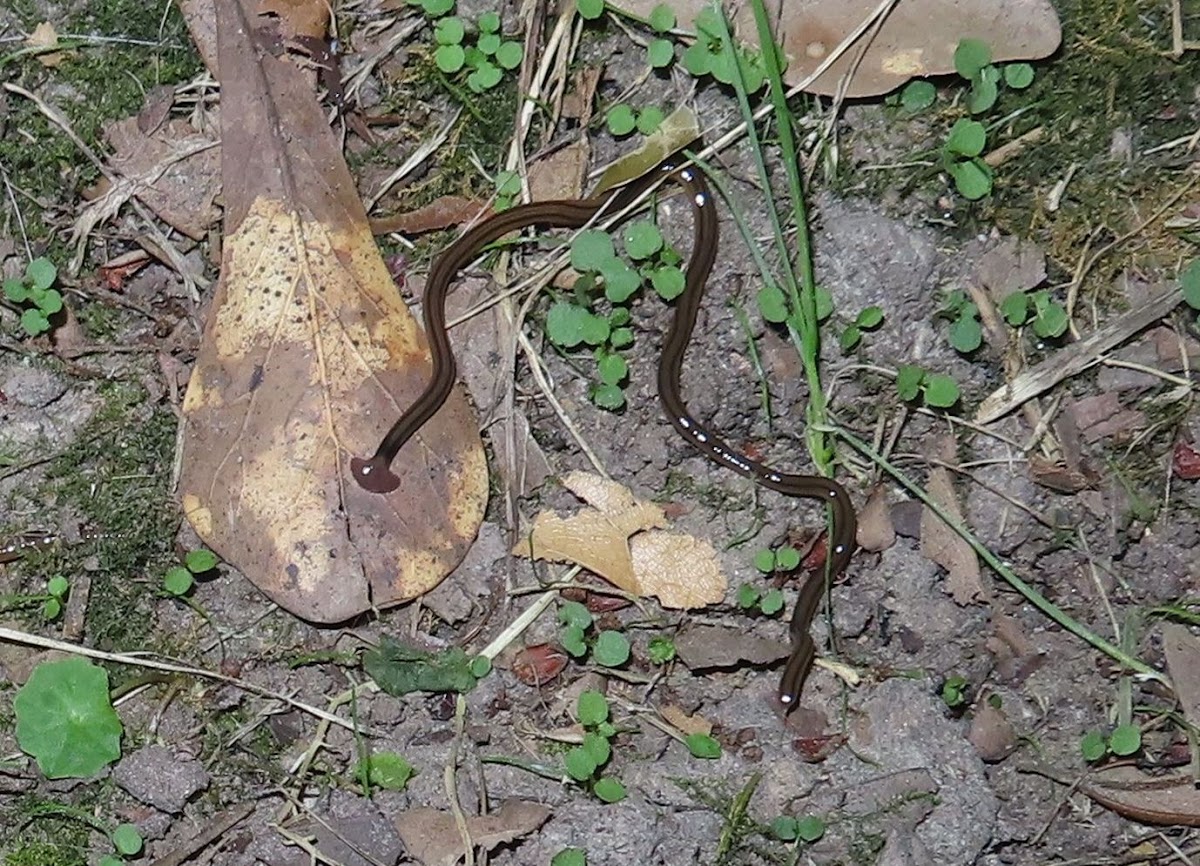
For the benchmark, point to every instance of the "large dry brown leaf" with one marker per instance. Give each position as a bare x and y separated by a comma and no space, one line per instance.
621,539
308,356
917,39
1170,799
942,544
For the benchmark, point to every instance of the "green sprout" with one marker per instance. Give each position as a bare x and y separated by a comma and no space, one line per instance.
33,292
936,390
584,762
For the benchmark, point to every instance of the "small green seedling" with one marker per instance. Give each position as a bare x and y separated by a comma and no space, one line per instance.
661,51
179,579
788,829
914,97
784,559
584,763
609,649
709,55
961,157
703,746
973,61
936,390
623,119
773,305
569,857
1038,309
508,189
661,650
966,334
387,770
1125,740
954,691
33,292
868,319
590,10
750,597
484,60
56,596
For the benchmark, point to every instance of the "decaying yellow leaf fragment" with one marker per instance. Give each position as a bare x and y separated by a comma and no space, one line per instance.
623,540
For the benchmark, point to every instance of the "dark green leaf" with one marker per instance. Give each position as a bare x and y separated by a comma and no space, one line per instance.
400,670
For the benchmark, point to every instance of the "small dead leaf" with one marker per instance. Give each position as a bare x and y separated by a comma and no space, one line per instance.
875,529
1013,265
611,540
1150,799
45,36
538,664
943,545
689,724
1182,650
1056,476
1186,462
432,836
992,734
708,647
441,213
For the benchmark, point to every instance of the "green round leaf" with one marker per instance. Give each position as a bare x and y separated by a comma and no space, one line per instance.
449,58
619,316
611,649
574,613
178,581
697,59
598,747
386,770
51,608
650,120
621,120
1014,308
565,324
909,379
967,137
642,239
609,397
110,860
485,77
200,561
850,338
591,250
590,10
772,303
572,641
481,666
65,719
662,18
785,828
1092,747
488,44
508,183
580,764
965,334
612,369
437,8
34,322
510,54
917,96
810,828
569,857
869,317
489,22
982,96
703,746
609,790
58,586
619,338
1050,319
41,273
126,839
16,291
591,708
772,602
1018,76
620,281
449,31
972,179
668,282
764,561
595,330
660,53
1125,740
748,596
787,558
970,57
941,392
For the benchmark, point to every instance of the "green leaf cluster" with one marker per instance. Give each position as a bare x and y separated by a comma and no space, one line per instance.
711,55
1125,740
622,119
954,691
178,580
584,762
33,292
1038,309
485,59
966,333
868,319
788,829
750,597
